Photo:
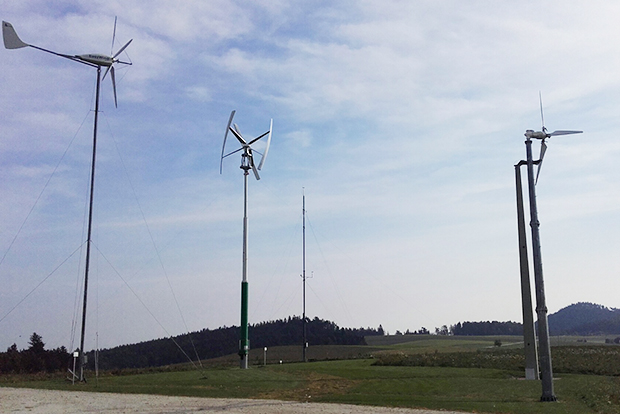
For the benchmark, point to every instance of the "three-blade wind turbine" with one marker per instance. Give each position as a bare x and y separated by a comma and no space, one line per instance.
12,41
543,134
544,353
247,164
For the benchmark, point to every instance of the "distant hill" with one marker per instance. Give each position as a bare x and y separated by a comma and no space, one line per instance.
581,318
585,319
214,343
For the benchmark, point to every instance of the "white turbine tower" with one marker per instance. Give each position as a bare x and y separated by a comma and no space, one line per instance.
247,164
12,41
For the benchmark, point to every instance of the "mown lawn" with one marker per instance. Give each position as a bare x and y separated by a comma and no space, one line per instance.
361,382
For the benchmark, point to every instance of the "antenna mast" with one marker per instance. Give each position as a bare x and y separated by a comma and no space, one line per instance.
303,275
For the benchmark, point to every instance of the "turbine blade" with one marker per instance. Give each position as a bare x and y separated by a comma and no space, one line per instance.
542,116
258,137
113,36
122,48
232,114
561,132
106,72
543,149
262,161
237,135
113,85
254,167
233,152
11,40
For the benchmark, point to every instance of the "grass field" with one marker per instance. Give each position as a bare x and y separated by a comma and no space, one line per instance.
361,381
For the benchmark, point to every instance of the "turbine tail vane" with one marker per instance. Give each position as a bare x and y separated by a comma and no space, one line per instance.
9,35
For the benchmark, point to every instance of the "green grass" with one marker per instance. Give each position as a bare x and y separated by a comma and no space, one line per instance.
453,383
360,382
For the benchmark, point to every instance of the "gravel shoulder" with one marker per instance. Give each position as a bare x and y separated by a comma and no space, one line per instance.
25,400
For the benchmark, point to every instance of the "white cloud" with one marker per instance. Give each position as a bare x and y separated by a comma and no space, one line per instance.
401,120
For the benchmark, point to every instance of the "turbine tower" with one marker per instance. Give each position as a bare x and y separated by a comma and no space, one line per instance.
247,164
12,41
546,370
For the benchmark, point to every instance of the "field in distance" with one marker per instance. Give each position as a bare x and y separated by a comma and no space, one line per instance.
362,381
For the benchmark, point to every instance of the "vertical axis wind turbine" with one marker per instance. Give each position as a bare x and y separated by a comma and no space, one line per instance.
247,164
12,41
546,370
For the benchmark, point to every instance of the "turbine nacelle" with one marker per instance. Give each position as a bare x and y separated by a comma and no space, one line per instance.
96,59
530,133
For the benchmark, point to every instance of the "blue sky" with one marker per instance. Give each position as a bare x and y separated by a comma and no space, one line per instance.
401,120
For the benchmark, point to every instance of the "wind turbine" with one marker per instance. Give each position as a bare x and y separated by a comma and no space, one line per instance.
12,41
543,134
247,164
546,371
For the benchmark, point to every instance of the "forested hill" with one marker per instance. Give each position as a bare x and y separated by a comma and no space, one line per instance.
577,319
585,319
224,341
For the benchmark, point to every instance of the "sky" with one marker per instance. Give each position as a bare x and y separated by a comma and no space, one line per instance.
400,121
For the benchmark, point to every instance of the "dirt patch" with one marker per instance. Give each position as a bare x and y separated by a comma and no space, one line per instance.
23,400
315,385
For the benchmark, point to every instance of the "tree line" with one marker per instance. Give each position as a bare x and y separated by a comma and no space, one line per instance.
472,328
34,359
204,344
208,343
487,328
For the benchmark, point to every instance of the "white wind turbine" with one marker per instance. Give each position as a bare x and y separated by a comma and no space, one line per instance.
543,134
247,164
12,41
544,349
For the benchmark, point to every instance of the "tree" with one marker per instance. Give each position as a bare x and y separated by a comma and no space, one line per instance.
442,331
36,344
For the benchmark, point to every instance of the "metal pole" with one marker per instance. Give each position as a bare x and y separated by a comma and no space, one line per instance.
541,305
529,336
90,222
244,345
303,276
